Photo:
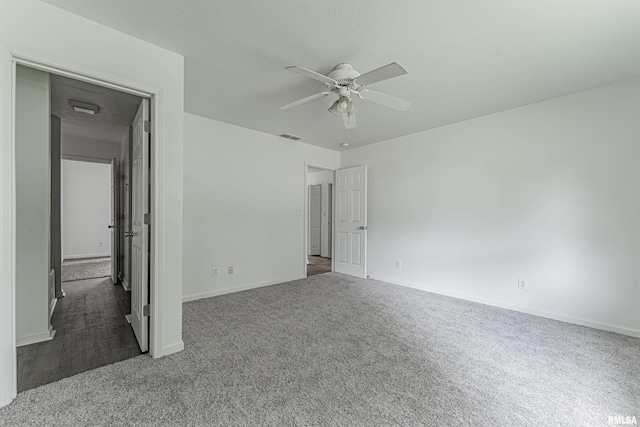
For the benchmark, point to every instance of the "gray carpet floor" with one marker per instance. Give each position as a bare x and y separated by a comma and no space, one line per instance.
85,268
336,350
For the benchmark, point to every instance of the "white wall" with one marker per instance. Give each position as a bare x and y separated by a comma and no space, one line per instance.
38,31
33,193
546,192
244,197
76,148
86,209
323,178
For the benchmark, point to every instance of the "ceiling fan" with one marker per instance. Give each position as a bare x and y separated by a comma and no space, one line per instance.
345,81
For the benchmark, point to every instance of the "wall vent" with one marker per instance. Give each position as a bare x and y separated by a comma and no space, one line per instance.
286,135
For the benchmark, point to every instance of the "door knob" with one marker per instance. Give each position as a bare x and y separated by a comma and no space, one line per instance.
128,234
362,227
113,226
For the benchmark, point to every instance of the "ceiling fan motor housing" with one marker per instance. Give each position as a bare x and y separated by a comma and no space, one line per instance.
344,74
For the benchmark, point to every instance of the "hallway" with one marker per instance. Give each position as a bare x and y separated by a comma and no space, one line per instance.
91,331
318,265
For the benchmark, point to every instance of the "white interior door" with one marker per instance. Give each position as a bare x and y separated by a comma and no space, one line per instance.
115,228
350,221
140,230
315,216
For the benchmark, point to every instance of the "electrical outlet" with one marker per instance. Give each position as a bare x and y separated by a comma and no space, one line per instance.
522,284
230,269
398,264
214,272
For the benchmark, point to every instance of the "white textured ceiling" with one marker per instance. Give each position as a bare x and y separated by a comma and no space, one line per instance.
465,58
117,109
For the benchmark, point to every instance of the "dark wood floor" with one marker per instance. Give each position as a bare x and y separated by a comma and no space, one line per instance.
91,331
318,265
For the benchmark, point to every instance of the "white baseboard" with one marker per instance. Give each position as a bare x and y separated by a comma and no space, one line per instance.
173,348
224,291
125,284
34,338
575,320
104,255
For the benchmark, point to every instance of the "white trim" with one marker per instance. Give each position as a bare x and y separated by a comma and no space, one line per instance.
125,284
36,338
575,320
62,71
86,159
102,255
305,221
52,307
173,348
225,291
156,112
8,366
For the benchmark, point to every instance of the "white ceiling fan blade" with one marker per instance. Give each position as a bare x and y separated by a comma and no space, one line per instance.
389,71
349,120
303,100
386,100
311,74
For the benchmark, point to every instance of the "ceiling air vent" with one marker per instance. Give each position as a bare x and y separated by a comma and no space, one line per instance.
286,135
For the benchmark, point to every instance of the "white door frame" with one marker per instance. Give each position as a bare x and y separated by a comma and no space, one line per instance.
9,61
319,221
305,222
115,214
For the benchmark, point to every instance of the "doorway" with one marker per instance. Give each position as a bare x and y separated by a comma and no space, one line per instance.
90,211
319,220
87,203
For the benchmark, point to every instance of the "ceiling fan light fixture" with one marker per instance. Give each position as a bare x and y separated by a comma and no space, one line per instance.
343,105
83,107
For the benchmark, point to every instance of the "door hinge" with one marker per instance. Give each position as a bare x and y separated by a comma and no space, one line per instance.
147,219
147,126
146,310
